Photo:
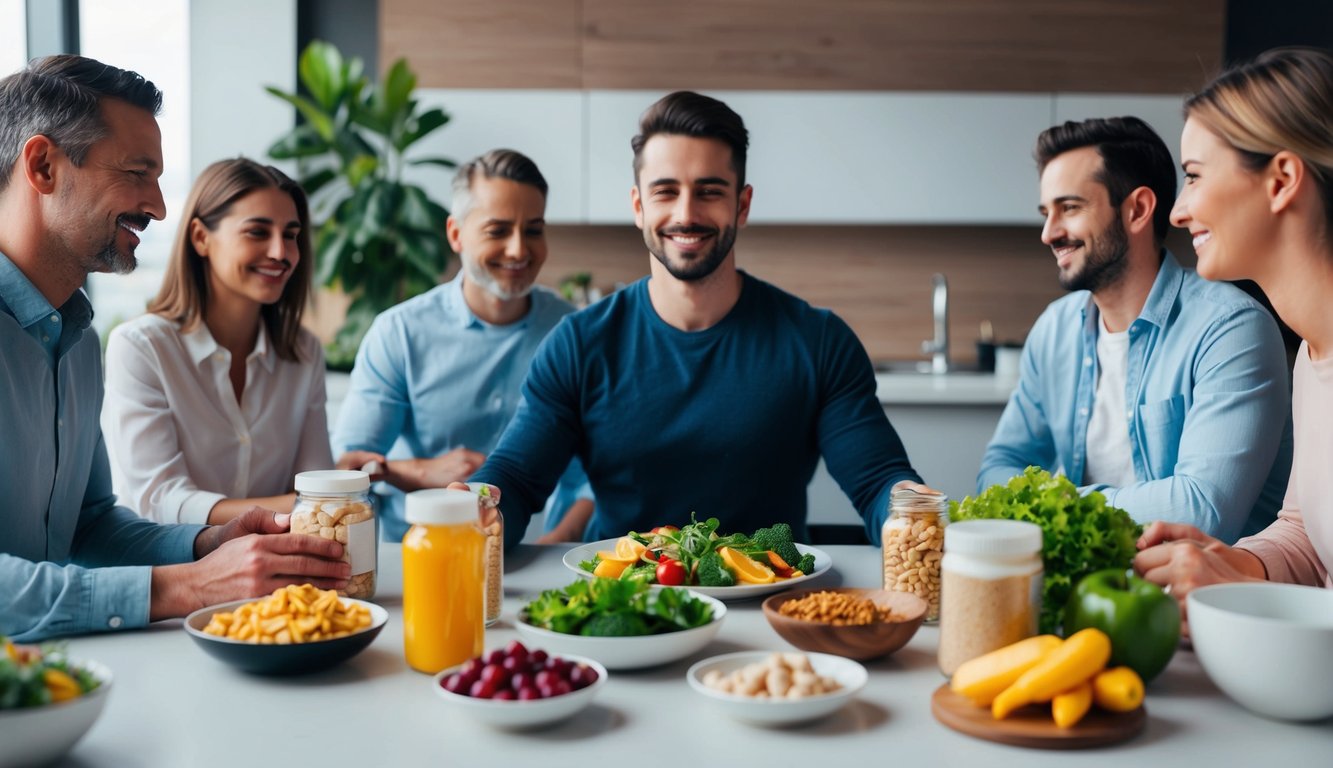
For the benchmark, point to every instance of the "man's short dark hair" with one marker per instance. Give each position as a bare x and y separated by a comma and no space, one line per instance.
60,97
686,113
1133,156
496,164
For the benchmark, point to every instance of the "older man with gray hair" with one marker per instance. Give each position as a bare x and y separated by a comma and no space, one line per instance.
437,377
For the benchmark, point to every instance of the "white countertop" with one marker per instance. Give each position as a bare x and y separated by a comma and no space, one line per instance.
943,389
171,705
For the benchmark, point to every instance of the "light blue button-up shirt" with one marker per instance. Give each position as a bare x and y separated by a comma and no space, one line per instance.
71,561
1207,397
430,377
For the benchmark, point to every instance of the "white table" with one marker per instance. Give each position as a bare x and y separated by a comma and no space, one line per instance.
172,705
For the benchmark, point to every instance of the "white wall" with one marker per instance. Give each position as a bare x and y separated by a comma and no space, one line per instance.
236,48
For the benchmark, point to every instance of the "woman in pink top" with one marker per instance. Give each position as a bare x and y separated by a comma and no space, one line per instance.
1258,199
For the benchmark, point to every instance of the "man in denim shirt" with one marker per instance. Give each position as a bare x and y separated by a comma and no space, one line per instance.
80,155
1163,391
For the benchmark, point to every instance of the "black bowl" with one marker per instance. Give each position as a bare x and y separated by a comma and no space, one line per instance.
294,659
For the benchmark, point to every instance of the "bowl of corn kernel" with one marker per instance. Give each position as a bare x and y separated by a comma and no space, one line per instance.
292,631
846,621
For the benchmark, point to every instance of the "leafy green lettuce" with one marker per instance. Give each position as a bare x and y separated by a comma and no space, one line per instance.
1080,534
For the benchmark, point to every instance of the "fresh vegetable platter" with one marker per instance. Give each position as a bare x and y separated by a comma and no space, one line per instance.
728,567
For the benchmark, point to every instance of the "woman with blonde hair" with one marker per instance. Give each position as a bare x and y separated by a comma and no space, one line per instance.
1257,152
215,398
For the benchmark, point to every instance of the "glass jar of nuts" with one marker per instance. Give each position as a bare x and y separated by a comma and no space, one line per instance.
913,541
493,525
335,504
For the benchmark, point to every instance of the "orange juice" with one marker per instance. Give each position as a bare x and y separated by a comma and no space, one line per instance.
443,580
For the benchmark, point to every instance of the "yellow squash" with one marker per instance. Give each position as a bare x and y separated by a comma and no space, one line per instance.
981,679
1069,707
1078,658
1118,690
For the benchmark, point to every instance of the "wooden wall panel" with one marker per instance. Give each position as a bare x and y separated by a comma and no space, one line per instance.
1131,46
485,43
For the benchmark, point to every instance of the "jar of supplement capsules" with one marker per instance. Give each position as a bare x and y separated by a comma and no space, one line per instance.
335,504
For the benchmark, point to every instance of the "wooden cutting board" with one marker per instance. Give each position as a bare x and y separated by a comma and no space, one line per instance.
1032,726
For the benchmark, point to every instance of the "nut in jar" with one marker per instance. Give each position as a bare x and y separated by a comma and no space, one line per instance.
335,504
913,542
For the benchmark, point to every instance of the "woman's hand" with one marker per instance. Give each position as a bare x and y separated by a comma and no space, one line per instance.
1182,558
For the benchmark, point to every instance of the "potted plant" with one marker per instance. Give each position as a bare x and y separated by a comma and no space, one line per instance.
378,239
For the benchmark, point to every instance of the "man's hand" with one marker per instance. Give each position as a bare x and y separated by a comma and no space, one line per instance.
450,467
367,461
248,557
1182,558
913,486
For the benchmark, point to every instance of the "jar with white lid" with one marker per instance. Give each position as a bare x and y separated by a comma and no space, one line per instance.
991,578
335,504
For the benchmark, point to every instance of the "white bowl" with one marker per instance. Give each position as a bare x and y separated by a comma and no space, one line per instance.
823,562
524,714
40,735
628,652
849,674
1268,646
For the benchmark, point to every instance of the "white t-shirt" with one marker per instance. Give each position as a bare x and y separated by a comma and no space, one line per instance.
178,440
1110,461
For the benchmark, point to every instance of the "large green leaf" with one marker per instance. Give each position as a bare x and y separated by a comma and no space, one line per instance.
316,181
443,162
419,212
361,167
301,141
317,118
424,251
394,91
333,249
323,74
424,124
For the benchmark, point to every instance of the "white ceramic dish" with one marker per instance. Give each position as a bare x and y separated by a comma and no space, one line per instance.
849,674
41,735
823,562
628,652
524,714
1268,646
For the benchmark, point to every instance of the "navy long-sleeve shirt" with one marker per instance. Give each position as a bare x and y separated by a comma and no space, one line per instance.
727,422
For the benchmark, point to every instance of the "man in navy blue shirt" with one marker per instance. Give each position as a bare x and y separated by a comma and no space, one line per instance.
699,389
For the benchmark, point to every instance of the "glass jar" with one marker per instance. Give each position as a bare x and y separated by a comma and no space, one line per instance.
443,575
335,504
493,525
913,542
991,578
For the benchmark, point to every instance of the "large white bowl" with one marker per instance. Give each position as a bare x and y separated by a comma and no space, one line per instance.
628,652
525,714
1268,646
849,674
40,735
823,562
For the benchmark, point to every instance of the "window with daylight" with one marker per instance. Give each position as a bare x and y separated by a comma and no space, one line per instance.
13,36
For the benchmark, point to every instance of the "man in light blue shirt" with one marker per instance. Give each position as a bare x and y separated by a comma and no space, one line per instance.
437,377
80,155
1163,391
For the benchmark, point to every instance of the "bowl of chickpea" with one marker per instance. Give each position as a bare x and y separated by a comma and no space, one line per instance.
847,621
772,689
292,631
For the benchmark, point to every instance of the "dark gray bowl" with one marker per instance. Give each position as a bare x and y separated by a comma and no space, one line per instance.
294,659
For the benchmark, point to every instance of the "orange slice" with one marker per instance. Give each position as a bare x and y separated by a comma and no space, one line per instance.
627,551
747,570
610,569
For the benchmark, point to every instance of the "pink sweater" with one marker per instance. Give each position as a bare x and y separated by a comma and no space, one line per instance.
1298,547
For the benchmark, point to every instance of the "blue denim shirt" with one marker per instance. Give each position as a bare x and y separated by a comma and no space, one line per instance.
71,561
430,377
1209,405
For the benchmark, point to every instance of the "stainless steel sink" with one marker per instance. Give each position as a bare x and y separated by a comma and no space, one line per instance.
921,367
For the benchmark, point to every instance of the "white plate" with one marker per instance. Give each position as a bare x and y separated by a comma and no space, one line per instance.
628,652
524,714
823,562
850,675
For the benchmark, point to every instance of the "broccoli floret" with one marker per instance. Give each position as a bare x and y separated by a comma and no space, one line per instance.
778,538
618,624
807,564
713,573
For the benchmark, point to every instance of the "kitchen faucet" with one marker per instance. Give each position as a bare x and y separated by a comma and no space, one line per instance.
938,348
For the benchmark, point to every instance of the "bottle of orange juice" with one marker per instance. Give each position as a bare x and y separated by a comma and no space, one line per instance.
444,577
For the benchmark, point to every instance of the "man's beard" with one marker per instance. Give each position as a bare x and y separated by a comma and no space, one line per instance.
477,273
111,258
1105,263
699,268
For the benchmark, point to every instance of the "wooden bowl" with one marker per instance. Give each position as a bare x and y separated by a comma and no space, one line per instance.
863,641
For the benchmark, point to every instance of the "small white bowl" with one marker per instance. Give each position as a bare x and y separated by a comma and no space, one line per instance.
1268,646
849,674
40,735
524,714
628,652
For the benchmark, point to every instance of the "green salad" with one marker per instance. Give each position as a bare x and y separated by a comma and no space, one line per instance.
614,608
32,677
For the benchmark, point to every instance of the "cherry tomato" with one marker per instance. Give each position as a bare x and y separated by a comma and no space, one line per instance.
670,573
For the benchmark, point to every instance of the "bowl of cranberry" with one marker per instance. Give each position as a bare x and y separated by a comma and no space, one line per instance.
513,687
